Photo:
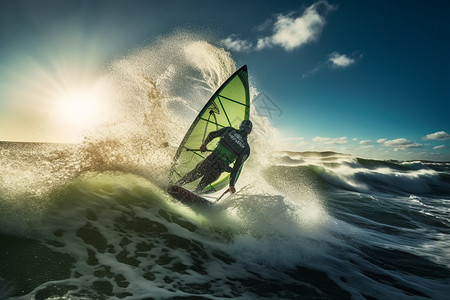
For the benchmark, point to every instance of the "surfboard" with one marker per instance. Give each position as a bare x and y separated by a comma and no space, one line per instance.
228,106
186,196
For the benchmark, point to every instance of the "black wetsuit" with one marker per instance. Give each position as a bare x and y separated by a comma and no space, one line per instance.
232,147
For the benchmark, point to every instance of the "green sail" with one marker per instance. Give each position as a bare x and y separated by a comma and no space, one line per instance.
229,106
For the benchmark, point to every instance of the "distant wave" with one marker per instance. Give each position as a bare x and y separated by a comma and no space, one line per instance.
359,174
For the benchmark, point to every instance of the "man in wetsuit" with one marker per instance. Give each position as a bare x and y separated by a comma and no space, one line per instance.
232,147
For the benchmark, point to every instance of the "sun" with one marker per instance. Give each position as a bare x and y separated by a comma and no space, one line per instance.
78,111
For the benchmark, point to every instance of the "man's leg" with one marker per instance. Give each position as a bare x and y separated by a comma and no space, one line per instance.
212,174
195,174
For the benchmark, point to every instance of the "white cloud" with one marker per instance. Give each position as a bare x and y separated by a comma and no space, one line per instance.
367,146
439,147
440,136
233,43
336,61
265,42
399,144
288,32
330,141
341,60
363,142
265,25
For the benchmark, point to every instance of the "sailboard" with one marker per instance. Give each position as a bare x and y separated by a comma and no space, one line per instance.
228,106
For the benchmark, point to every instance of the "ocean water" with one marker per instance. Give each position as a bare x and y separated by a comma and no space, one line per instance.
93,221
333,227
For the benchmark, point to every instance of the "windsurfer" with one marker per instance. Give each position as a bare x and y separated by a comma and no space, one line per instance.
232,147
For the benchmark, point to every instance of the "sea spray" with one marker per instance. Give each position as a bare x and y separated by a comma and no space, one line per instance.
156,92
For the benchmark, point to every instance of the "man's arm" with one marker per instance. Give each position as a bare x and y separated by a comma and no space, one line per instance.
214,134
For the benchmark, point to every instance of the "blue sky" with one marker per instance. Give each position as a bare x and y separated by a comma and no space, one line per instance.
369,78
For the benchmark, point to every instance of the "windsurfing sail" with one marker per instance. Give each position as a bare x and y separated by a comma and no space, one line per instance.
228,106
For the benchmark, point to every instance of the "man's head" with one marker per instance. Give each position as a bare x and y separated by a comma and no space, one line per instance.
246,126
